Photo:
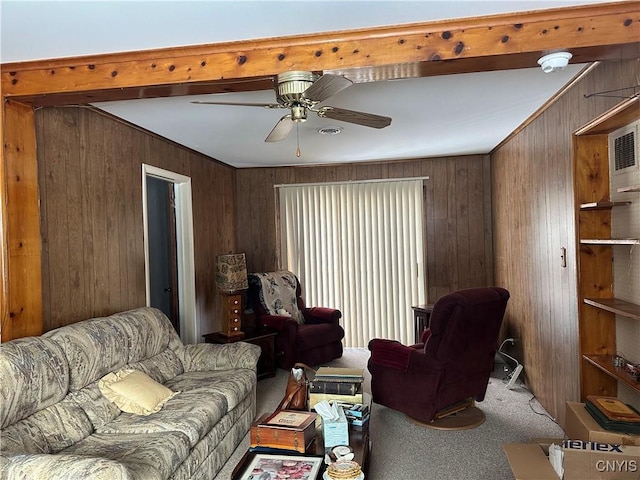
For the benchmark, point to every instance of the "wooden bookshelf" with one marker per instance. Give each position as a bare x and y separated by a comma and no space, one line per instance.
605,364
615,305
598,308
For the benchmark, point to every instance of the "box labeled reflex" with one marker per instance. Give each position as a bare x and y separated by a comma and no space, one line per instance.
593,460
574,460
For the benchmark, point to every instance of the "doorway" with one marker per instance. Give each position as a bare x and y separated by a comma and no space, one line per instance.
168,246
163,261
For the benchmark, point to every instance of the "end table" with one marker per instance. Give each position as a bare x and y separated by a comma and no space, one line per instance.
421,319
262,337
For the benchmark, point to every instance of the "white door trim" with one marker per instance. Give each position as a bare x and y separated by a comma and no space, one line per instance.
189,329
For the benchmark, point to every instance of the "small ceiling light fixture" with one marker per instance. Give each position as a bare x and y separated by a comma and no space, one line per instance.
331,130
554,61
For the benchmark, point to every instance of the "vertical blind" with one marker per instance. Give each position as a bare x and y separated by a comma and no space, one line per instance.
358,247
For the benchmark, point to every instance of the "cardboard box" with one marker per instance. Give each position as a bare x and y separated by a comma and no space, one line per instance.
529,462
285,429
336,433
581,425
582,460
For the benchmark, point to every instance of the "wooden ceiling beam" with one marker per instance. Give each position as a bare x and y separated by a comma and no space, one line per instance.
152,91
484,64
460,44
358,75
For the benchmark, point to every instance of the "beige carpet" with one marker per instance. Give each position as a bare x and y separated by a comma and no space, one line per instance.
402,450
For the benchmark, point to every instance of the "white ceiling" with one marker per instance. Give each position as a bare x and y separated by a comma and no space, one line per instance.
433,116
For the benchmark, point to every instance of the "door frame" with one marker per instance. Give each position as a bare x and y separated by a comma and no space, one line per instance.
189,328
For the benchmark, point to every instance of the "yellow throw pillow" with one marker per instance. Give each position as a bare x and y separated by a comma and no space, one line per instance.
134,391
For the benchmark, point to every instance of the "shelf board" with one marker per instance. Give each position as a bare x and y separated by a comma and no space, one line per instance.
605,364
602,205
630,188
610,241
615,305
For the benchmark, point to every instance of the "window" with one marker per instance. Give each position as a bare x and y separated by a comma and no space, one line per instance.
358,247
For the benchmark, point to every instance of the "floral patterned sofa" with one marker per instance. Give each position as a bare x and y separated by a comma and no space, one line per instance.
57,424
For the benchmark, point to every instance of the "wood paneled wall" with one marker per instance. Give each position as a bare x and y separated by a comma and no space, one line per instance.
533,218
458,212
90,181
24,249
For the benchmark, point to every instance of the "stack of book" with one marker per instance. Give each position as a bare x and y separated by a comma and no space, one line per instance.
343,385
357,415
612,414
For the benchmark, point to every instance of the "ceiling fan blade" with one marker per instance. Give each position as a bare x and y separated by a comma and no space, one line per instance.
263,105
281,130
326,86
351,116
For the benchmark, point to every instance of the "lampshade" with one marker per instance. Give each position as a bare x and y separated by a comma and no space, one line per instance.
231,272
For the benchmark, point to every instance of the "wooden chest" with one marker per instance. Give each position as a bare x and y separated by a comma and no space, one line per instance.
285,429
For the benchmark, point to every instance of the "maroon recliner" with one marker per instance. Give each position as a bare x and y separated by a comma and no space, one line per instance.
453,364
305,335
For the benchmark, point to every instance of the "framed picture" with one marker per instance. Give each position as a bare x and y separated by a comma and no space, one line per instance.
263,466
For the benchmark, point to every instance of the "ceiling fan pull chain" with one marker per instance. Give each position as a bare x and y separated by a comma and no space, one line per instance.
297,140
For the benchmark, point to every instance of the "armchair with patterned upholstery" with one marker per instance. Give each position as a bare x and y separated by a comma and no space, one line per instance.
307,335
452,366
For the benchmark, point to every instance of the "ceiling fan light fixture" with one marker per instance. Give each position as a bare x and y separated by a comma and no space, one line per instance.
554,62
329,130
298,114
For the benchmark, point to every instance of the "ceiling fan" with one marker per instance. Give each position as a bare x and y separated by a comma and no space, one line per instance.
301,91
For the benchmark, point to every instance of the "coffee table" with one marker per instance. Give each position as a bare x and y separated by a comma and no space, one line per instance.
359,441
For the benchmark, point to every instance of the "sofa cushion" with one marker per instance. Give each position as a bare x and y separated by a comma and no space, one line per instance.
209,455
50,430
160,367
134,391
210,356
148,332
233,385
96,406
23,438
35,375
146,456
63,467
93,347
98,346
316,335
192,413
